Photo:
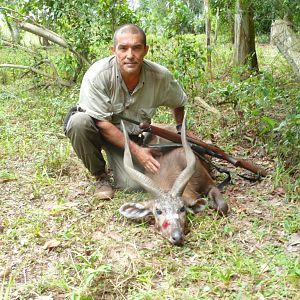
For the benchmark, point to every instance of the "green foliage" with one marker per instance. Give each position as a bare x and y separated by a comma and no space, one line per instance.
5,290
268,11
66,65
179,20
91,271
254,100
7,176
169,18
183,55
288,131
265,12
83,24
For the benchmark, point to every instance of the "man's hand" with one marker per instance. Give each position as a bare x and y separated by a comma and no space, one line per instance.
146,159
144,155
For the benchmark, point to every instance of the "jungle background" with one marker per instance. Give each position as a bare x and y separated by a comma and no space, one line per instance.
58,242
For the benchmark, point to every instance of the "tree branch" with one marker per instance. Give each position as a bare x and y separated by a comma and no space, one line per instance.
39,72
51,36
44,32
7,43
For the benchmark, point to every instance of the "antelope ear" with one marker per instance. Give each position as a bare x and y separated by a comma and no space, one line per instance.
135,210
197,206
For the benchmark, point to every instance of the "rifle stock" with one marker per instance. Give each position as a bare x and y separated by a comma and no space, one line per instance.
213,150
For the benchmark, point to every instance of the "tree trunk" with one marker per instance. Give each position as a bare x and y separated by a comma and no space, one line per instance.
230,22
244,41
288,43
207,31
217,25
44,42
14,30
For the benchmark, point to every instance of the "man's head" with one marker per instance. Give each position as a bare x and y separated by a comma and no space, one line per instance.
130,28
130,49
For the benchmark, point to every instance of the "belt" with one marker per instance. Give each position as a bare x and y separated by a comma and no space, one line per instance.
70,113
73,110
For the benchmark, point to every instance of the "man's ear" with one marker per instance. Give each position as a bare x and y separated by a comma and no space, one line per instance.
146,50
135,210
113,49
197,206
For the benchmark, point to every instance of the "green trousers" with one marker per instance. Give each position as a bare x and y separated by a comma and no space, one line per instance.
88,144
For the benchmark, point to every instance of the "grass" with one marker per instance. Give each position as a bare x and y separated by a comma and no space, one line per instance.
46,194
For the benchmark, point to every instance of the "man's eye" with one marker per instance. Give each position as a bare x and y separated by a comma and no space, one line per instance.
158,211
182,209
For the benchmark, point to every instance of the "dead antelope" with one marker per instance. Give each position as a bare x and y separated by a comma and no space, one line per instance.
177,187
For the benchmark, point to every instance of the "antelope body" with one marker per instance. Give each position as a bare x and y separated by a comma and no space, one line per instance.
178,186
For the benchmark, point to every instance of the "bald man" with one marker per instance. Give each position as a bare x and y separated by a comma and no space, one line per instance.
123,84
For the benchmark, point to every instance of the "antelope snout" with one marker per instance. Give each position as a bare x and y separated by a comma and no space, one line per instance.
177,237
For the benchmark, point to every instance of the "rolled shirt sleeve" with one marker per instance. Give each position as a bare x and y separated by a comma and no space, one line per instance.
174,95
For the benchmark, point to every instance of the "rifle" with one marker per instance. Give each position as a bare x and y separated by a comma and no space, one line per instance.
205,148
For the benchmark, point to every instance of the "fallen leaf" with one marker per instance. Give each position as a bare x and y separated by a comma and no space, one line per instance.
99,206
260,296
293,245
206,289
115,236
264,268
97,235
3,180
4,273
279,191
51,244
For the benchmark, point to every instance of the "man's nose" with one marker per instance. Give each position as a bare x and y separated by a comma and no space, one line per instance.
129,53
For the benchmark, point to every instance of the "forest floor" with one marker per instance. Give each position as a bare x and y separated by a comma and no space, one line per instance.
58,242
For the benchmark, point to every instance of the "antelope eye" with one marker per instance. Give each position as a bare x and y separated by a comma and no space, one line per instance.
158,211
182,209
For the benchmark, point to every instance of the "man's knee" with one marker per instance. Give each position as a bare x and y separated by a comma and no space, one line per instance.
80,123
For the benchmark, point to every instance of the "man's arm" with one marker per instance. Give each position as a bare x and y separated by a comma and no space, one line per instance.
114,135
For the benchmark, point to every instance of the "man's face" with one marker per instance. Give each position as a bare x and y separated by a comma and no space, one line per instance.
130,52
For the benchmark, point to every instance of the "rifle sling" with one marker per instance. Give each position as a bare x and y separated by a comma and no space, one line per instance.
226,181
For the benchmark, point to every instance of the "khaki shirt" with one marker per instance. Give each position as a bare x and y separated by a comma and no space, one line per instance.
103,93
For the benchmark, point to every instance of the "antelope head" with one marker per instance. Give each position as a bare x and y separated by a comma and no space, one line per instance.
167,207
